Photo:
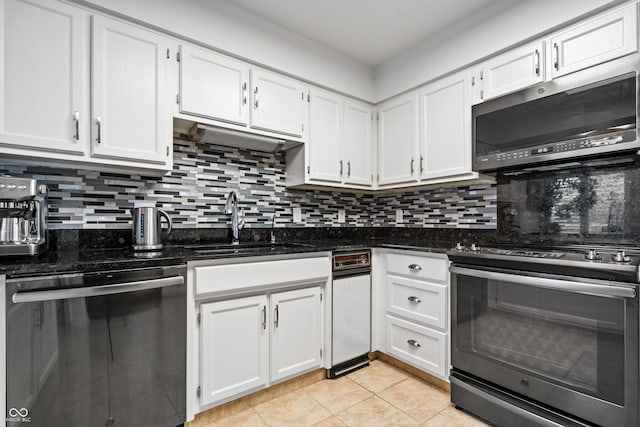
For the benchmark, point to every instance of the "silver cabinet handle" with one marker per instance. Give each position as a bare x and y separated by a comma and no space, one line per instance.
349,168
537,63
94,291
412,163
601,289
341,168
255,97
275,316
414,300
264,317
414,267
421,164
99,128
76,125
556,60
244,93
414,343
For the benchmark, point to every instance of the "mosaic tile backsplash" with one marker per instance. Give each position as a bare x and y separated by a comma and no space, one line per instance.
194,194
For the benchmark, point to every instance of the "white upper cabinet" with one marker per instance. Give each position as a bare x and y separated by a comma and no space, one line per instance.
398,139
358,143
43,77
279,104
514,70
603,38
213,86
129,85
445,127
325,136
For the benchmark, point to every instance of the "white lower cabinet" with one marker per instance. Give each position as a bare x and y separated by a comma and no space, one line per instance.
417,345
417,312
250,342
296,339
235,347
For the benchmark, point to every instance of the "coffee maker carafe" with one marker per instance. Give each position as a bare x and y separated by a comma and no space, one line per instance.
23,207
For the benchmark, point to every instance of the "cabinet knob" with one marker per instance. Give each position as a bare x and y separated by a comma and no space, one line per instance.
414,343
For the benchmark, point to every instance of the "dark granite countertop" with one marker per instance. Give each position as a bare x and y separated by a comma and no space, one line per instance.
85,260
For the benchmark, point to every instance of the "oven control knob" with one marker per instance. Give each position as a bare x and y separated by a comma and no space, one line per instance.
459,247
474,248
592,255
621,257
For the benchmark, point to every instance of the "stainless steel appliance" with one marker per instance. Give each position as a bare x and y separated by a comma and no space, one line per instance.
545,337
97,349
589,113
23,207
351,316
147,228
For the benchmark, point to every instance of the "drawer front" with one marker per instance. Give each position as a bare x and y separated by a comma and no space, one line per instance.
420,301
224,278
421,347
419,267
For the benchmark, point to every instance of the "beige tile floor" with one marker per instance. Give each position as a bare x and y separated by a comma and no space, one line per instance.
378,395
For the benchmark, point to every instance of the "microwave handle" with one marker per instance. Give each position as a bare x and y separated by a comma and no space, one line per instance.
613,290
94,291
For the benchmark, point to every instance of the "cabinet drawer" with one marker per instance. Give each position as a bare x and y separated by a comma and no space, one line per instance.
420,301
419,267
419,346
228,278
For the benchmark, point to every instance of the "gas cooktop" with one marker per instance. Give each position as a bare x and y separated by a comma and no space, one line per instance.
584,261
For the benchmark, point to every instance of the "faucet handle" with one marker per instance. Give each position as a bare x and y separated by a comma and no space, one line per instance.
241,219
273,225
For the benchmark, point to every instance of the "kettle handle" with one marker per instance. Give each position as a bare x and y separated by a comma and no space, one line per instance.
166,215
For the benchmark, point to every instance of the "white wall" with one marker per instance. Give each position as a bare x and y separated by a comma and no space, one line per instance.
231,29
498,31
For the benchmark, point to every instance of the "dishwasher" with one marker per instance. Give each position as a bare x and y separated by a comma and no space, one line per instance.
351,311
97,348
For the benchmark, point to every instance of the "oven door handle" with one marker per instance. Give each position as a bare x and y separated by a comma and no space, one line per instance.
612,290
95,291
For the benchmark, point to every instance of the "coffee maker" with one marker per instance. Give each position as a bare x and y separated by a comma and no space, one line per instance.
23,208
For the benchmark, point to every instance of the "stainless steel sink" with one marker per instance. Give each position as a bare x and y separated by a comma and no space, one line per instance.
244,248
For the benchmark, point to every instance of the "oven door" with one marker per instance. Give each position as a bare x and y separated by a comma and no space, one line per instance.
569,343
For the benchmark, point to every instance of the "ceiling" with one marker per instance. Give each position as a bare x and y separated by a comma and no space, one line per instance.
371,31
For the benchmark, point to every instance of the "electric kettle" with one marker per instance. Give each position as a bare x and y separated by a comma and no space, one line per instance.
147,227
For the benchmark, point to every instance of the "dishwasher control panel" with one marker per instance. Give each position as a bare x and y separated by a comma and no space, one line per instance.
351,260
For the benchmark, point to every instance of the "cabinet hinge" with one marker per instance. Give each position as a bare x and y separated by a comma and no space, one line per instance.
198,320
320,352
303,127
481,94
371,177
167,150
178,57
309,97
303,96
378,116
308,169
473,80
168,53
481,74
378,177
320,297
178,99
198,391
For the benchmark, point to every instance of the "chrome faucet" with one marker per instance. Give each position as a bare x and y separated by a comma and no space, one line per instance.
231,208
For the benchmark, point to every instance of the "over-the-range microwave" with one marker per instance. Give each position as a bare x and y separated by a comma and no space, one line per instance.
589,113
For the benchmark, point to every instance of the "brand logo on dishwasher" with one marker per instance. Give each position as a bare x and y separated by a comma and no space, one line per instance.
18,415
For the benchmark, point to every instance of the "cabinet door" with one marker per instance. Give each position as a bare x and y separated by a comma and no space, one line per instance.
606,37
325,136
358,143
296,335
213,86
234,345
445,123
43,76
514,70
129,94
278,103
421,347
398,136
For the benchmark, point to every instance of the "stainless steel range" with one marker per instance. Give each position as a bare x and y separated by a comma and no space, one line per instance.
546,336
